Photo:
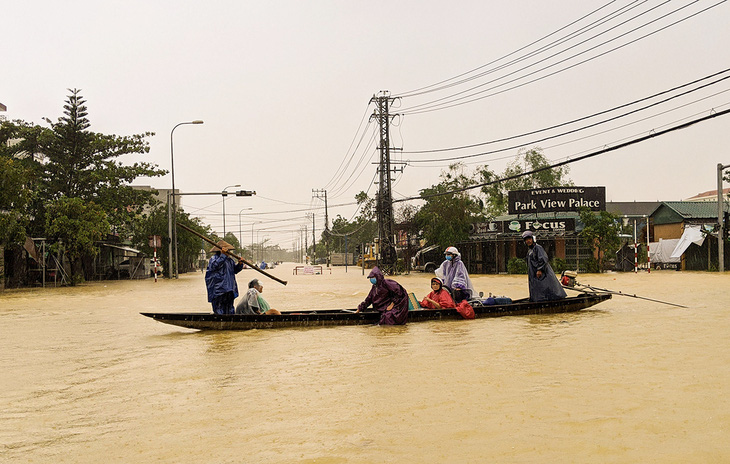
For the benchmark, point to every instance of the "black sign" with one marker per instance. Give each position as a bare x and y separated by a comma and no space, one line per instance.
517,226
540,225
556,199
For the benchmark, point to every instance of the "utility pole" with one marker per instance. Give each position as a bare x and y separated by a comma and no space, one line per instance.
720,219
316,194
384,200
314,239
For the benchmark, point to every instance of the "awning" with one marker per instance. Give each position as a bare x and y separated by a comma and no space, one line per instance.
692,234
120,247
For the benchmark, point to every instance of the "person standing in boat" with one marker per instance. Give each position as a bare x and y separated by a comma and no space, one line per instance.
439,298
253,303
220,278
454,275
543,283
387,297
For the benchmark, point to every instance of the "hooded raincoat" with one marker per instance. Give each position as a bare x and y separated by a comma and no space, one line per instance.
440,296
454,274
547,287
220,280
382,294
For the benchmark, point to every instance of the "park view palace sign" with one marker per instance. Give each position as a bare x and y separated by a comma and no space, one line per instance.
557,199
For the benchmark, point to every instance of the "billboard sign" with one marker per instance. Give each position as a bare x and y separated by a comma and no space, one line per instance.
557,199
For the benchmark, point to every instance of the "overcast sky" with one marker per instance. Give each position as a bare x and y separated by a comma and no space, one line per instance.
284,89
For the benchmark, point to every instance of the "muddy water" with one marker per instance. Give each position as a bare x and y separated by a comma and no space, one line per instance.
86,379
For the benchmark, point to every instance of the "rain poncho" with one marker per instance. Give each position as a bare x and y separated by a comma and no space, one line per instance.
454,274
220,280
382,294
440,296
548,287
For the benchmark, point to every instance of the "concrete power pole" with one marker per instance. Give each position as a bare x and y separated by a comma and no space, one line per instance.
316,194
720,219
384,200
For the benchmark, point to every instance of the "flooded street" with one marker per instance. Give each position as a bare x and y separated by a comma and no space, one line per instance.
86,379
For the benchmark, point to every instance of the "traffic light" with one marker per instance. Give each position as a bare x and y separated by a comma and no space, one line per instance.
245,193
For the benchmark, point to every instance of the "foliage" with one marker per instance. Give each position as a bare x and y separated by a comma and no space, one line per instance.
559,265
590,265
362,229
602,231
446,217
517,266
188,245
82,164
526,161
14,199
78,225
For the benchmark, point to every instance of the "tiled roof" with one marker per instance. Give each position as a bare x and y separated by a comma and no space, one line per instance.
695,209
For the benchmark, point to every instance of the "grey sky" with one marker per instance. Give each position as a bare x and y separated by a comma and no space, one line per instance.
283,85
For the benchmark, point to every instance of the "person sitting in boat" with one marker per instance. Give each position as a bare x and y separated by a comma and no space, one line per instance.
543,283
253,303
454,275
387,297
220,278
439,298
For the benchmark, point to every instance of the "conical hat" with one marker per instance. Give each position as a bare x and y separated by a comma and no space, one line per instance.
222,243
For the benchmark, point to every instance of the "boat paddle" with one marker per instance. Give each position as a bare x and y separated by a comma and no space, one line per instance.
612,292
232,255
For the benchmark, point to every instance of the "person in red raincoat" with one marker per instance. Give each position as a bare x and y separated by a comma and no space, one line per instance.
439,298
387,297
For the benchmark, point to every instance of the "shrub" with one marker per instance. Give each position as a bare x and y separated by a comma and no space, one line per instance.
517,266
559,265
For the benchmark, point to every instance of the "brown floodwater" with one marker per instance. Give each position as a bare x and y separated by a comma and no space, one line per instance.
86,379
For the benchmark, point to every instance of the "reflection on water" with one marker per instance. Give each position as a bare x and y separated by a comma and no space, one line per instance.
87,379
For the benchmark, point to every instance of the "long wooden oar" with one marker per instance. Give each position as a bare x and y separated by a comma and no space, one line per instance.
232,255
612,292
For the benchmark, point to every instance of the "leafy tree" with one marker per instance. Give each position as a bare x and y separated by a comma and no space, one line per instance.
78,225
445,218
602,231
526,161
82,164
188,245
361,229
14,199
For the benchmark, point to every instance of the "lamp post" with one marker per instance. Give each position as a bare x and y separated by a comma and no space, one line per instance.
240,235
172,205
253,258
225,194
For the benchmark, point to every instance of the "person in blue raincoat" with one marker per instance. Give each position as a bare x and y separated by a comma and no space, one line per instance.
387,297
543,283
220,278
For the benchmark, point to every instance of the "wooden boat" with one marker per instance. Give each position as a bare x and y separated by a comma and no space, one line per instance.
331,317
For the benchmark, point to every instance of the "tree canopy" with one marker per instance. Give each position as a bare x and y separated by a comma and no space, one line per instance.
526,161
446,217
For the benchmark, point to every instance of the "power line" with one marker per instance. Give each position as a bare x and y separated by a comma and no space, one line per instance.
524,134
435,106
573,160
424,90
474,155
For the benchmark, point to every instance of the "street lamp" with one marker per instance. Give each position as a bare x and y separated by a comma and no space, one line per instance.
225,194
253,258
172,206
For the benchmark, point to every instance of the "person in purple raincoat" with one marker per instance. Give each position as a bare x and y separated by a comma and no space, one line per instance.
220,278
388,297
